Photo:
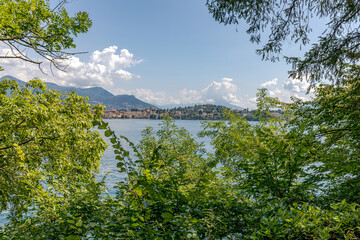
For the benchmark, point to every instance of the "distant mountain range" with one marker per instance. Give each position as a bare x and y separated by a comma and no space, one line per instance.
97,95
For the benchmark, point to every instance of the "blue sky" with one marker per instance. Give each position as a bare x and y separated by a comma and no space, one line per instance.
167,52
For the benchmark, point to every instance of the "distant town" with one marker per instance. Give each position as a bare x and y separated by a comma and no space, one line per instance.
197,112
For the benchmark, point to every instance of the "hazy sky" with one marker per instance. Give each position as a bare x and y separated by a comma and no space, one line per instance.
166,52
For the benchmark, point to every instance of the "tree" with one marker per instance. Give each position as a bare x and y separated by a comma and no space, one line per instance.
303,169
295,176
34,25
333,119
48,147
290,21
49,150
171,190
299,170
269,183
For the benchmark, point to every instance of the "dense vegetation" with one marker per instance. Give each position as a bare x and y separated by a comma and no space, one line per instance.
291,177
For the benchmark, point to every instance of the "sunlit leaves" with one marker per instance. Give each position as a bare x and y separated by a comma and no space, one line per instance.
290,177
46,139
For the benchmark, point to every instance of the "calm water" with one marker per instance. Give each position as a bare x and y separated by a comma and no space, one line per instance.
131,128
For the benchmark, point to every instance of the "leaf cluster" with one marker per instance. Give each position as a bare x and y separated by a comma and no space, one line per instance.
47,145
290,21
34,25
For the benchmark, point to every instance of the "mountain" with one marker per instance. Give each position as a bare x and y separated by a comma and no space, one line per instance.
130,101
21,83
97,95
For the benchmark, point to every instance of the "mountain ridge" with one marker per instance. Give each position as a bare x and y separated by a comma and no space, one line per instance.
96,95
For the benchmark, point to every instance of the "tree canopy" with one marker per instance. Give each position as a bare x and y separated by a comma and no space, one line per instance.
34,25
47,145
294,176
290,21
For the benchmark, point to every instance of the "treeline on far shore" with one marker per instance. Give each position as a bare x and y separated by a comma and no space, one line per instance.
197,112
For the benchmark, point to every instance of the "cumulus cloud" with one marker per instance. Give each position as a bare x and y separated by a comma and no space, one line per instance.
183,96
16,67
296,85
269,83
110,64
102,69
288,89
221,92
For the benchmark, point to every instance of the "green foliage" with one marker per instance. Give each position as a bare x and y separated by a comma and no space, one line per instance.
305,221
306,163
333,119
47,146
172,191
289,21
298,169
264,181
34,25
277,179
59,217
295,176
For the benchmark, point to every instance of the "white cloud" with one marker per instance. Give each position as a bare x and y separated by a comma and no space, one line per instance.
296,85
217,92
108,57
227,79
269,83
16,67
102,69
252,101
232,99
222,92
288,89
106,66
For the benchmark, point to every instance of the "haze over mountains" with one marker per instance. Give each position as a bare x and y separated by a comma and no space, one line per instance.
97,95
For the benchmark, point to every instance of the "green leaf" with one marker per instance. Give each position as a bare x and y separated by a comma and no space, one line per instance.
79,223
167,216
108,133
138,190
73,237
